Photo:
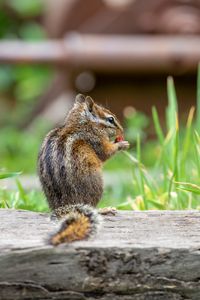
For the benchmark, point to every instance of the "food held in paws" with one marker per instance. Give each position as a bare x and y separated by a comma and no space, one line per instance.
119,139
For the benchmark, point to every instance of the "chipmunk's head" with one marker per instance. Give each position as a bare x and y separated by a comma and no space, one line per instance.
100,117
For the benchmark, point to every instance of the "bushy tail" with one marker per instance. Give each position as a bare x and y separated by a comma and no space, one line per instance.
79,222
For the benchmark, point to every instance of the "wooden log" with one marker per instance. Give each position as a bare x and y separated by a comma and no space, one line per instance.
135,255
109,53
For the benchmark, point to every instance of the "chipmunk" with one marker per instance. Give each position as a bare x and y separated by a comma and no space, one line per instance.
70,167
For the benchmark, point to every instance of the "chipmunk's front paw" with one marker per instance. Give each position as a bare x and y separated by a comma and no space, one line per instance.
123,145
108,211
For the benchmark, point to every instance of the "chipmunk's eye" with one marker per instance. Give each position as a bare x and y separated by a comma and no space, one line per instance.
110,120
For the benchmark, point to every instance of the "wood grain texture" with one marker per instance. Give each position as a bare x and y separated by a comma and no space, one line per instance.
136,255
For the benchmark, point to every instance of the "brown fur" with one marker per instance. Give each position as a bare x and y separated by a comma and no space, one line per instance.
71,156
77,230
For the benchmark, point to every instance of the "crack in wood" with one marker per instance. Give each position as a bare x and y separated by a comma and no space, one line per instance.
147,255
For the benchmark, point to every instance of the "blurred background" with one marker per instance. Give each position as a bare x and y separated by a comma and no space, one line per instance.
120,52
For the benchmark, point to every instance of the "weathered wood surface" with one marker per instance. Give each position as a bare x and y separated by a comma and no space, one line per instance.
136,255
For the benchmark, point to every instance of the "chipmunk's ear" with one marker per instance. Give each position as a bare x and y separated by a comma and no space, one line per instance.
90,102
80,98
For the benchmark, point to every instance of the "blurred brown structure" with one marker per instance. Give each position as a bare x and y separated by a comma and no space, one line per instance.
119,51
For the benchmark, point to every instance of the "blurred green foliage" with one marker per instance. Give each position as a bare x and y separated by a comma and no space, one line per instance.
24,8
170,181
30,200
17,18
163,173
21,86
136,123
19,149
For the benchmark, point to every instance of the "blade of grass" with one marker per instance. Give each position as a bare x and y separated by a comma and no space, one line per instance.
170,187
197,137
187,141
148,179
4,175
190,187
6,205
165,156
176,151
124,205
198,100
156,204
22,192
163,159
157,126
171,118
138,147
197,150
172,104
133,159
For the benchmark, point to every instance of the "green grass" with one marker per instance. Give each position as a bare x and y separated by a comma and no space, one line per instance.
159,174
173,182
20,198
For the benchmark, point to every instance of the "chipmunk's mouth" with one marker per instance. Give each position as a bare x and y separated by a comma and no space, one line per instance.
117,138
114,134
